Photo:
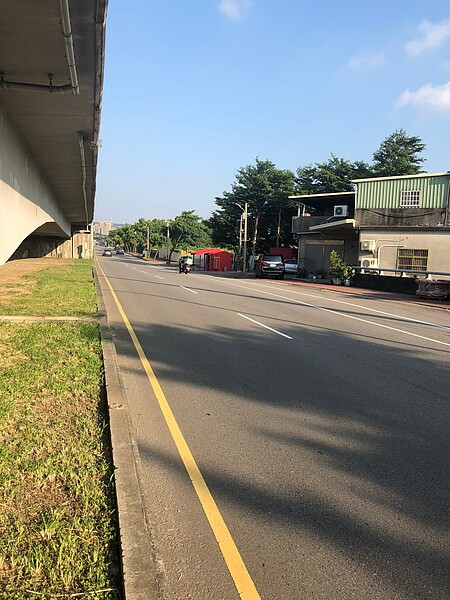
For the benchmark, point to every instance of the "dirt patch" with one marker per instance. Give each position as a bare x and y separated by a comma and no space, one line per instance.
12,274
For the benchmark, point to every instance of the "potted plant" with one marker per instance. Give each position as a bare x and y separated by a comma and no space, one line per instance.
336,268
347,273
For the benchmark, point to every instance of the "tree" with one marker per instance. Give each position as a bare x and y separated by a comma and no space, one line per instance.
224,224
265,189
332,176
398,155
156,232
134,237
124,236
188,231
282,186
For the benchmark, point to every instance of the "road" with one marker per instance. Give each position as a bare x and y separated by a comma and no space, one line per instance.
318,422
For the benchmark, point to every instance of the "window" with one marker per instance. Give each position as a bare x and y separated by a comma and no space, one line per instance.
409,199
413,260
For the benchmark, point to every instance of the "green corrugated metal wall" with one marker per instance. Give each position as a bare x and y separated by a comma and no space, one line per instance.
434,192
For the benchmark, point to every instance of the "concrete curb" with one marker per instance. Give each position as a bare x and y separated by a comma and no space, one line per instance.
140,575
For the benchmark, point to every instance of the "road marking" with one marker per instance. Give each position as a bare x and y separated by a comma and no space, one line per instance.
336,312
159,277
265,326
374,310
236,567
188,290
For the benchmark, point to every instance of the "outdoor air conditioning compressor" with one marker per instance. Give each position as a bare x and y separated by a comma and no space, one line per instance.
369,263
368,245
341,210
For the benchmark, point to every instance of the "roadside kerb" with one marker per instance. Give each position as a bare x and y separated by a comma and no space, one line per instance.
140,575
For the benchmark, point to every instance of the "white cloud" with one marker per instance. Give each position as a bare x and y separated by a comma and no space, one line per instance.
234,9
428,97
434,35
367,61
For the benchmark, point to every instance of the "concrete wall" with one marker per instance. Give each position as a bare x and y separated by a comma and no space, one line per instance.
314,252
35,246
26,202
387,243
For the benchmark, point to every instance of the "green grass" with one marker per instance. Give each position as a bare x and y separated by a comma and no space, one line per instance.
66,290
58,522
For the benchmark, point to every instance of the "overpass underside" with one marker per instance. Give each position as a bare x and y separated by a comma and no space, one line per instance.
51,78
32,222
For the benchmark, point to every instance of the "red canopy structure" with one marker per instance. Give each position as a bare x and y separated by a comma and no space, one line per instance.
213,259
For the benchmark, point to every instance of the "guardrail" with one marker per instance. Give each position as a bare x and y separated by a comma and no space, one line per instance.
378,270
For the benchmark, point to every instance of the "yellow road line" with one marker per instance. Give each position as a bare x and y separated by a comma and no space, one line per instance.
238,571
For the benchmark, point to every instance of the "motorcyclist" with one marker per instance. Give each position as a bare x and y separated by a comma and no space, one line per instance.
185,260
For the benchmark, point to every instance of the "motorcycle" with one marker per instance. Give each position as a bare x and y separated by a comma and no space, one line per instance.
186,268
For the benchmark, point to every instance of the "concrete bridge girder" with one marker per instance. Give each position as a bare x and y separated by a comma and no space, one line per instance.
26,202
51,84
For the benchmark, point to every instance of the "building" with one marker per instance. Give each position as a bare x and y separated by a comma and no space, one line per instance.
102,227
389,225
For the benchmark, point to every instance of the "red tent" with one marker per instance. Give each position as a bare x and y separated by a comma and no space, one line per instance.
213,259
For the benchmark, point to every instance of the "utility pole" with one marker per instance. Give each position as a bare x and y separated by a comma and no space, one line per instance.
148,243
167,243
244,268
244,217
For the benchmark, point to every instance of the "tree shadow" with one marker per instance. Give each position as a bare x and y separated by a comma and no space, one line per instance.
371,419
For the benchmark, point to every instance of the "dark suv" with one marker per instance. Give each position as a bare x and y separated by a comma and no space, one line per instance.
269,264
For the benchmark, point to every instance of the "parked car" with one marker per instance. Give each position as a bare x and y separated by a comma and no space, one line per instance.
269,264
290,266
107,252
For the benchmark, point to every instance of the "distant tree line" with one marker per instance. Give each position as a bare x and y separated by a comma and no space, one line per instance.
187,231
266,190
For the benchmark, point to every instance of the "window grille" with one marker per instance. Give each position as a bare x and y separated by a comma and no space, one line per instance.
413,260
410,199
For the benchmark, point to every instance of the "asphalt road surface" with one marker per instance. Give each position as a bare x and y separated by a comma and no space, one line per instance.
318,422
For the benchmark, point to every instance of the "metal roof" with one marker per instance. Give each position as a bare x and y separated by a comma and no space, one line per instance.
324,195
419,175
32,45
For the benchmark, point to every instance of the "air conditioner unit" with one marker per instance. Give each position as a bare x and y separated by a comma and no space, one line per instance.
369,263
368,245
341,210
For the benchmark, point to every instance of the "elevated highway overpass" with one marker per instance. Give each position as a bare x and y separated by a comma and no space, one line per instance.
51,81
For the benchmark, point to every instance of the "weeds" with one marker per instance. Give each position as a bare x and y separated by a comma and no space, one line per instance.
58,531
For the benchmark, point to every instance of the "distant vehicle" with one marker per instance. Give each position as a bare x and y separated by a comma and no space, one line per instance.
290,266
107,252
269,264
120,251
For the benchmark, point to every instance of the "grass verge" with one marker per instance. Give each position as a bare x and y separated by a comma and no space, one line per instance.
58,529
64,290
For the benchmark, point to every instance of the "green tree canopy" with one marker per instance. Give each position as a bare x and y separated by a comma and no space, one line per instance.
134,237
187,231
265,189
124,236
334,175
398,154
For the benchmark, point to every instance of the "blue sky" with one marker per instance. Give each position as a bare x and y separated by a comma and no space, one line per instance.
195,90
